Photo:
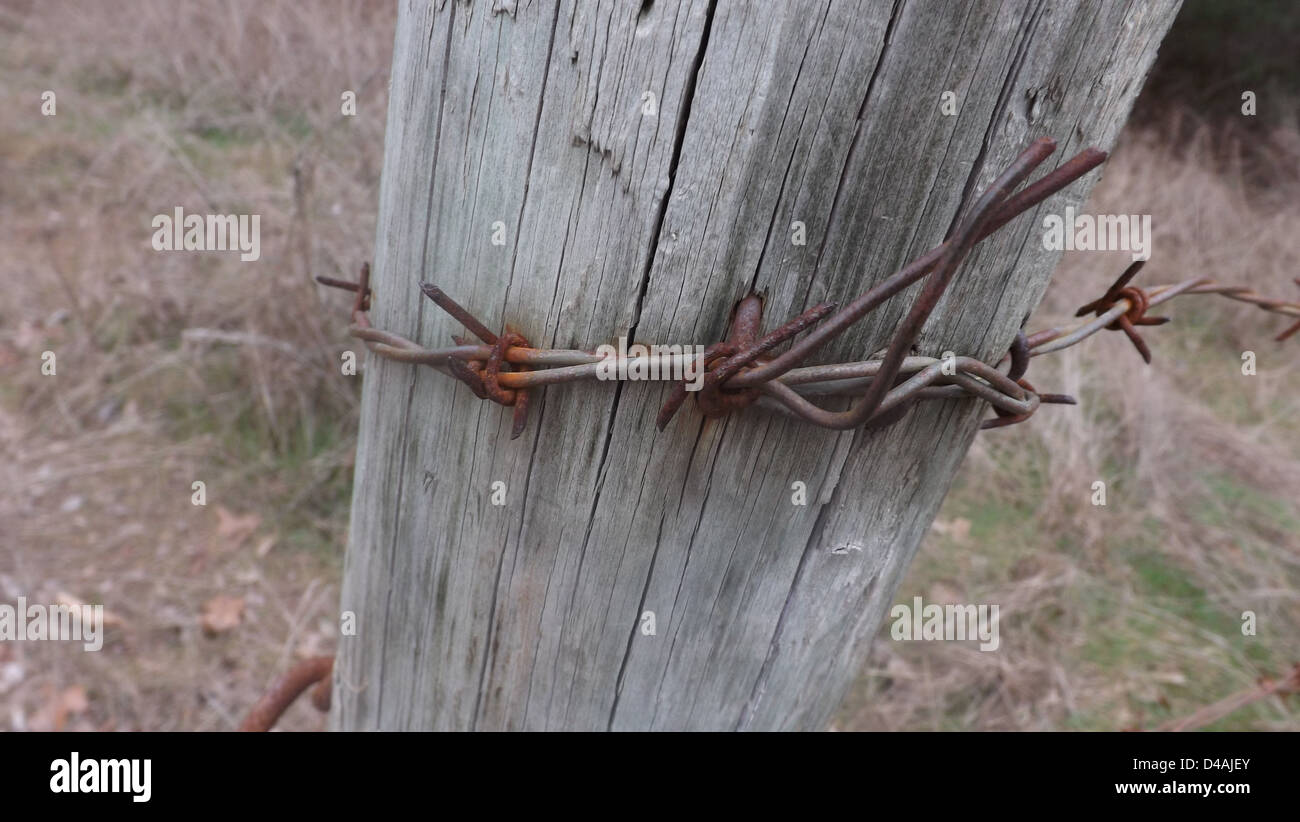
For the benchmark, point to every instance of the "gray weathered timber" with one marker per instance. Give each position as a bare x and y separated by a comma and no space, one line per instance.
645,163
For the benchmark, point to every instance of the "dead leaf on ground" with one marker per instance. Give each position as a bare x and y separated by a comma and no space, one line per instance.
221,614
59,705
233,529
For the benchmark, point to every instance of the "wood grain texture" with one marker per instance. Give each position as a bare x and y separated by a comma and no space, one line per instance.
533,116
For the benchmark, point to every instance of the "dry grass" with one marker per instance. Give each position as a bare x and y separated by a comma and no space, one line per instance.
219,108
1125,615
1113,616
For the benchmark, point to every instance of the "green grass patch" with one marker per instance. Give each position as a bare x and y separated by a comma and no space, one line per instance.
1230,498
292,473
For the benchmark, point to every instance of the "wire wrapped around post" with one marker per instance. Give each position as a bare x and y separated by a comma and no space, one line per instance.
741,370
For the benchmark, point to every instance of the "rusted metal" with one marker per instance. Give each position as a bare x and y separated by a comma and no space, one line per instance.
958,244
334,282
679,392
518,397
455,309
1134,316
1249,295
737,372
1293,329
1045,186
322,694
469,372
1019,356
746,322
485,381
360,303
742,348
925,264
287,688
751,351
1005,417
1265,687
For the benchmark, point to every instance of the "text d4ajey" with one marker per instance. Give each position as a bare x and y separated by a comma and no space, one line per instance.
1225,764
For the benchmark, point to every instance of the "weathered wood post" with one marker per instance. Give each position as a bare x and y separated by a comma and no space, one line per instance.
586,171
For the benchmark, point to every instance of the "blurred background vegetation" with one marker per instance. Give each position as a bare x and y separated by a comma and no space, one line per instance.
1219,48
177,368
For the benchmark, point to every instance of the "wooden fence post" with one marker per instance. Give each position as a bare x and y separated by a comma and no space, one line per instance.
585,171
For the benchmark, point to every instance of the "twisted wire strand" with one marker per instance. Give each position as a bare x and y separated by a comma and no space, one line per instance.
738,372
925,376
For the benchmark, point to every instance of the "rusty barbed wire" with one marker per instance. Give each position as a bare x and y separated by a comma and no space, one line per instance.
1265,687
737,372
313,671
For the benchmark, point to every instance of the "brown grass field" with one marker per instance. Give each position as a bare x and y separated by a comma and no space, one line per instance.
175,368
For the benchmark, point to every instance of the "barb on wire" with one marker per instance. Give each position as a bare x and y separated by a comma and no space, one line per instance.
1136,313
739,372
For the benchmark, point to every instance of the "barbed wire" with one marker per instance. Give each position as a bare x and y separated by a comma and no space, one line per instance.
315,670
737,372
1265,687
